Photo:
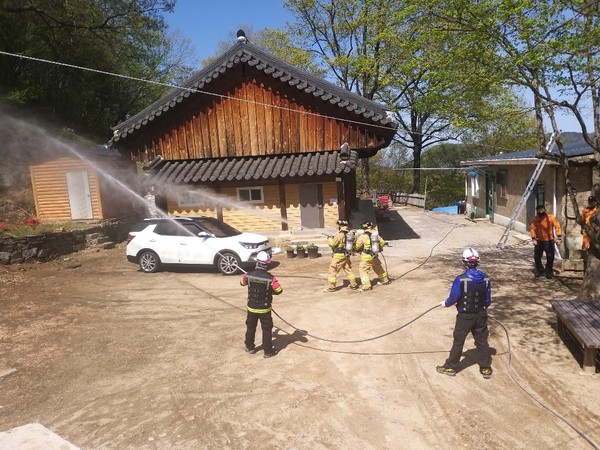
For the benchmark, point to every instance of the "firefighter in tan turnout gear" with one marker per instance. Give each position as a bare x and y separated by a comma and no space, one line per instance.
369,244
341,248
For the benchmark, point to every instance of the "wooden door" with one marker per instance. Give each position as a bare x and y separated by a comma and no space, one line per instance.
489,192
80,200
311,206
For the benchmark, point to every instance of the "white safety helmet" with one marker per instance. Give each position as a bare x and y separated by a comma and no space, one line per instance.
470,257
263,257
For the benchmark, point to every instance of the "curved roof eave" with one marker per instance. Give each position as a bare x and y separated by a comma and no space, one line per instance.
244,52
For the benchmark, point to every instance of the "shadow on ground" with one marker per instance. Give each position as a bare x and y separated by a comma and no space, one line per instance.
396,228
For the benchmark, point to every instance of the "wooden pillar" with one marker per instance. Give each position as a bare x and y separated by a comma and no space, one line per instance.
350,193
219,207
341,200
283,206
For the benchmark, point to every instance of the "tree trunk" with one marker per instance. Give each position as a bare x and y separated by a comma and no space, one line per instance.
416,188
366,177
590,290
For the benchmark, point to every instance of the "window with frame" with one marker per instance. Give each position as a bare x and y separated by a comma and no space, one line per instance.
540,195
250,194
190,198
501,183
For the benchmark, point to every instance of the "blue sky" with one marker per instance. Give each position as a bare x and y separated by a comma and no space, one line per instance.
208,22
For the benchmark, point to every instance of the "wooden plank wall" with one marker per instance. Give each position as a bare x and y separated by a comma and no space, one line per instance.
264,117
266,216
51,196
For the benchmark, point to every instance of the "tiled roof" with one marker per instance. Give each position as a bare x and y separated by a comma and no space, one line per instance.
246,53
250,168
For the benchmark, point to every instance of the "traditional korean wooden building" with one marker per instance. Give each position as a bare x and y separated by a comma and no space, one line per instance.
256,142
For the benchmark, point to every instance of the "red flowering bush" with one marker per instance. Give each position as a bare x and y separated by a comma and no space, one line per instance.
32,222
20,226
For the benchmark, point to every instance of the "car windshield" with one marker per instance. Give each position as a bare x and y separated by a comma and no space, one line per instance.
173,228
216,227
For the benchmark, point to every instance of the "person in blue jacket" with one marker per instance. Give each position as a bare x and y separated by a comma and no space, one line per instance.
471,293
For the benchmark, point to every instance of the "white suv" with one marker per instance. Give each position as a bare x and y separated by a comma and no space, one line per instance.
201,241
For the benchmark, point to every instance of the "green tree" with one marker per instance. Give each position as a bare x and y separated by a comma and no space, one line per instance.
386,170
347,38
551,49
391,51
275,41
126,37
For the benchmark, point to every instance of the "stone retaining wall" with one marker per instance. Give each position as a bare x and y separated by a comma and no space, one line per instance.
46,246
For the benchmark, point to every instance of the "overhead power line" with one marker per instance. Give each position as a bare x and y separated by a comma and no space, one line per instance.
222,96
193,90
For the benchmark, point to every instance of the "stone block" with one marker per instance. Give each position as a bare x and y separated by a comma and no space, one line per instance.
30,253
4,258
16,257
44,254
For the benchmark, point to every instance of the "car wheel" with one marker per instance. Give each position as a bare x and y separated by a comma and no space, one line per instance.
228,263
149,262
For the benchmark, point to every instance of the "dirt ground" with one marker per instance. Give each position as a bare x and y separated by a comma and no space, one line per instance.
108,357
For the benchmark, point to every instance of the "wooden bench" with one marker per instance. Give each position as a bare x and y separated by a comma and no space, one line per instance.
582,319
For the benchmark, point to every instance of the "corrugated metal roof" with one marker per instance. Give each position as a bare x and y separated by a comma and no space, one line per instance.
250,168
571,150
246,53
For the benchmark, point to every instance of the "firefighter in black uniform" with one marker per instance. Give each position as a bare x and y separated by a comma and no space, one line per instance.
472,294
261,288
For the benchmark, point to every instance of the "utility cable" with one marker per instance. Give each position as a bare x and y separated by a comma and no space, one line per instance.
542,404
199,91
196,91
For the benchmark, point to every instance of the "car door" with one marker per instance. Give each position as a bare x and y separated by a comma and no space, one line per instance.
164,241
192,248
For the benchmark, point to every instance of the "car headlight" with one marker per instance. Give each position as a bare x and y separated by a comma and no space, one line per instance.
251,246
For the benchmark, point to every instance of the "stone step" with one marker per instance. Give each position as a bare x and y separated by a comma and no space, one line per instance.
98,240
572,264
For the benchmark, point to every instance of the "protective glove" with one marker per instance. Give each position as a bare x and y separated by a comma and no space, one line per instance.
443,304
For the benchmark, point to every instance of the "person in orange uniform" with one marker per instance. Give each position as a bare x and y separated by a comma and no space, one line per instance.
543,228
261,288
586,214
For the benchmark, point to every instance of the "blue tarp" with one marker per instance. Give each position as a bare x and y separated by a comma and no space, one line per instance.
447,209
